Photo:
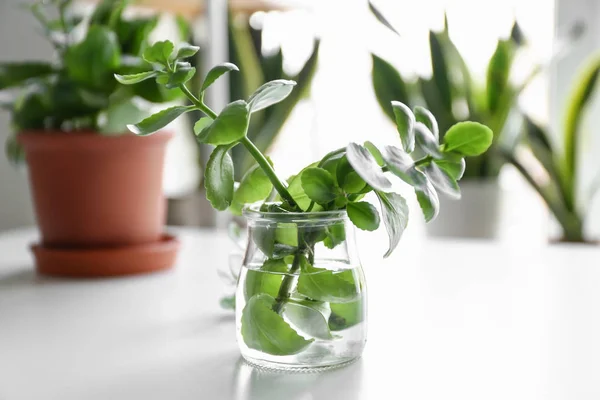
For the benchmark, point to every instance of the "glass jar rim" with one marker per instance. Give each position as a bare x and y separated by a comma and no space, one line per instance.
254,214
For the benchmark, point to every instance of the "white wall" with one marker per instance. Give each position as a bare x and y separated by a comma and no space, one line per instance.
19,40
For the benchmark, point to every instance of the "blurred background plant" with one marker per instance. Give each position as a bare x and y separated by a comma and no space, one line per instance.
554,174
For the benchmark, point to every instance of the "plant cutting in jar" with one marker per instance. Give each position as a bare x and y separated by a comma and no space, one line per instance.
300,300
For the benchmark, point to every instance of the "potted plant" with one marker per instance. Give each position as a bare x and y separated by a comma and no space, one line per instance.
97,188
555,175
300,302
453,95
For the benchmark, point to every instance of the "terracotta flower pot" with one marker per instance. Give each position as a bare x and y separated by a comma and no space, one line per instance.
94,191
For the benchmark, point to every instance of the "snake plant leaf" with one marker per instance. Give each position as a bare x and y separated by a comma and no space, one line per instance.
270,93
265,330
366,166
216,72
440,71
381,18
388,85
542,149
394,210
405,123
577,104
498,73
516,34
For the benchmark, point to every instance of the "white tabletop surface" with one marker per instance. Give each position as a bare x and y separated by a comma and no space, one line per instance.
447,320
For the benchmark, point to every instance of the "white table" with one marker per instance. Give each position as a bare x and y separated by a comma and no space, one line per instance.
504,322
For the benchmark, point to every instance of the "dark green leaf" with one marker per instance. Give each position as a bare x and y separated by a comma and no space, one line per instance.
264,238
468,138
381,18
135,78
405,123
440,69
498,73
346,315
516,35
319,185
216,72
229,127
442,181
455,169
363,215
336,234
388,85
159,120
265,330
93,61
429,201
265,280
425,116
366,166
270,93
325,285
159,53
183,74
353,183
401,165
218,178
186,50
13,74
426,141
395,217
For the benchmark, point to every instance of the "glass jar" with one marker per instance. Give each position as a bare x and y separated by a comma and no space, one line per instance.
301,293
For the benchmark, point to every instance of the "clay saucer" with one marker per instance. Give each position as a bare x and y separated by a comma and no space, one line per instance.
106,262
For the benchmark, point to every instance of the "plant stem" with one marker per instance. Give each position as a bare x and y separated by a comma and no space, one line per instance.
286,284
252,149
424,160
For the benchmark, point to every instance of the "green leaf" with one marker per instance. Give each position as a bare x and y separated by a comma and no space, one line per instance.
13,74
230,126
375,153
455,169
297,191
264,238
118,115
353,183
440,71
346,315
186,50
381,18
135,78
93,61
227,302
468,138
336,234
394,210
270,93
442,180
218,178
184,73
363,215
366,166
498,74
429,201
388,85
426,141
159,53
405,123
318,184
307,319
324,285
287,233
202,124
578,100
401,165
265,330
255,186
216,72
159,120
265,280
425,117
